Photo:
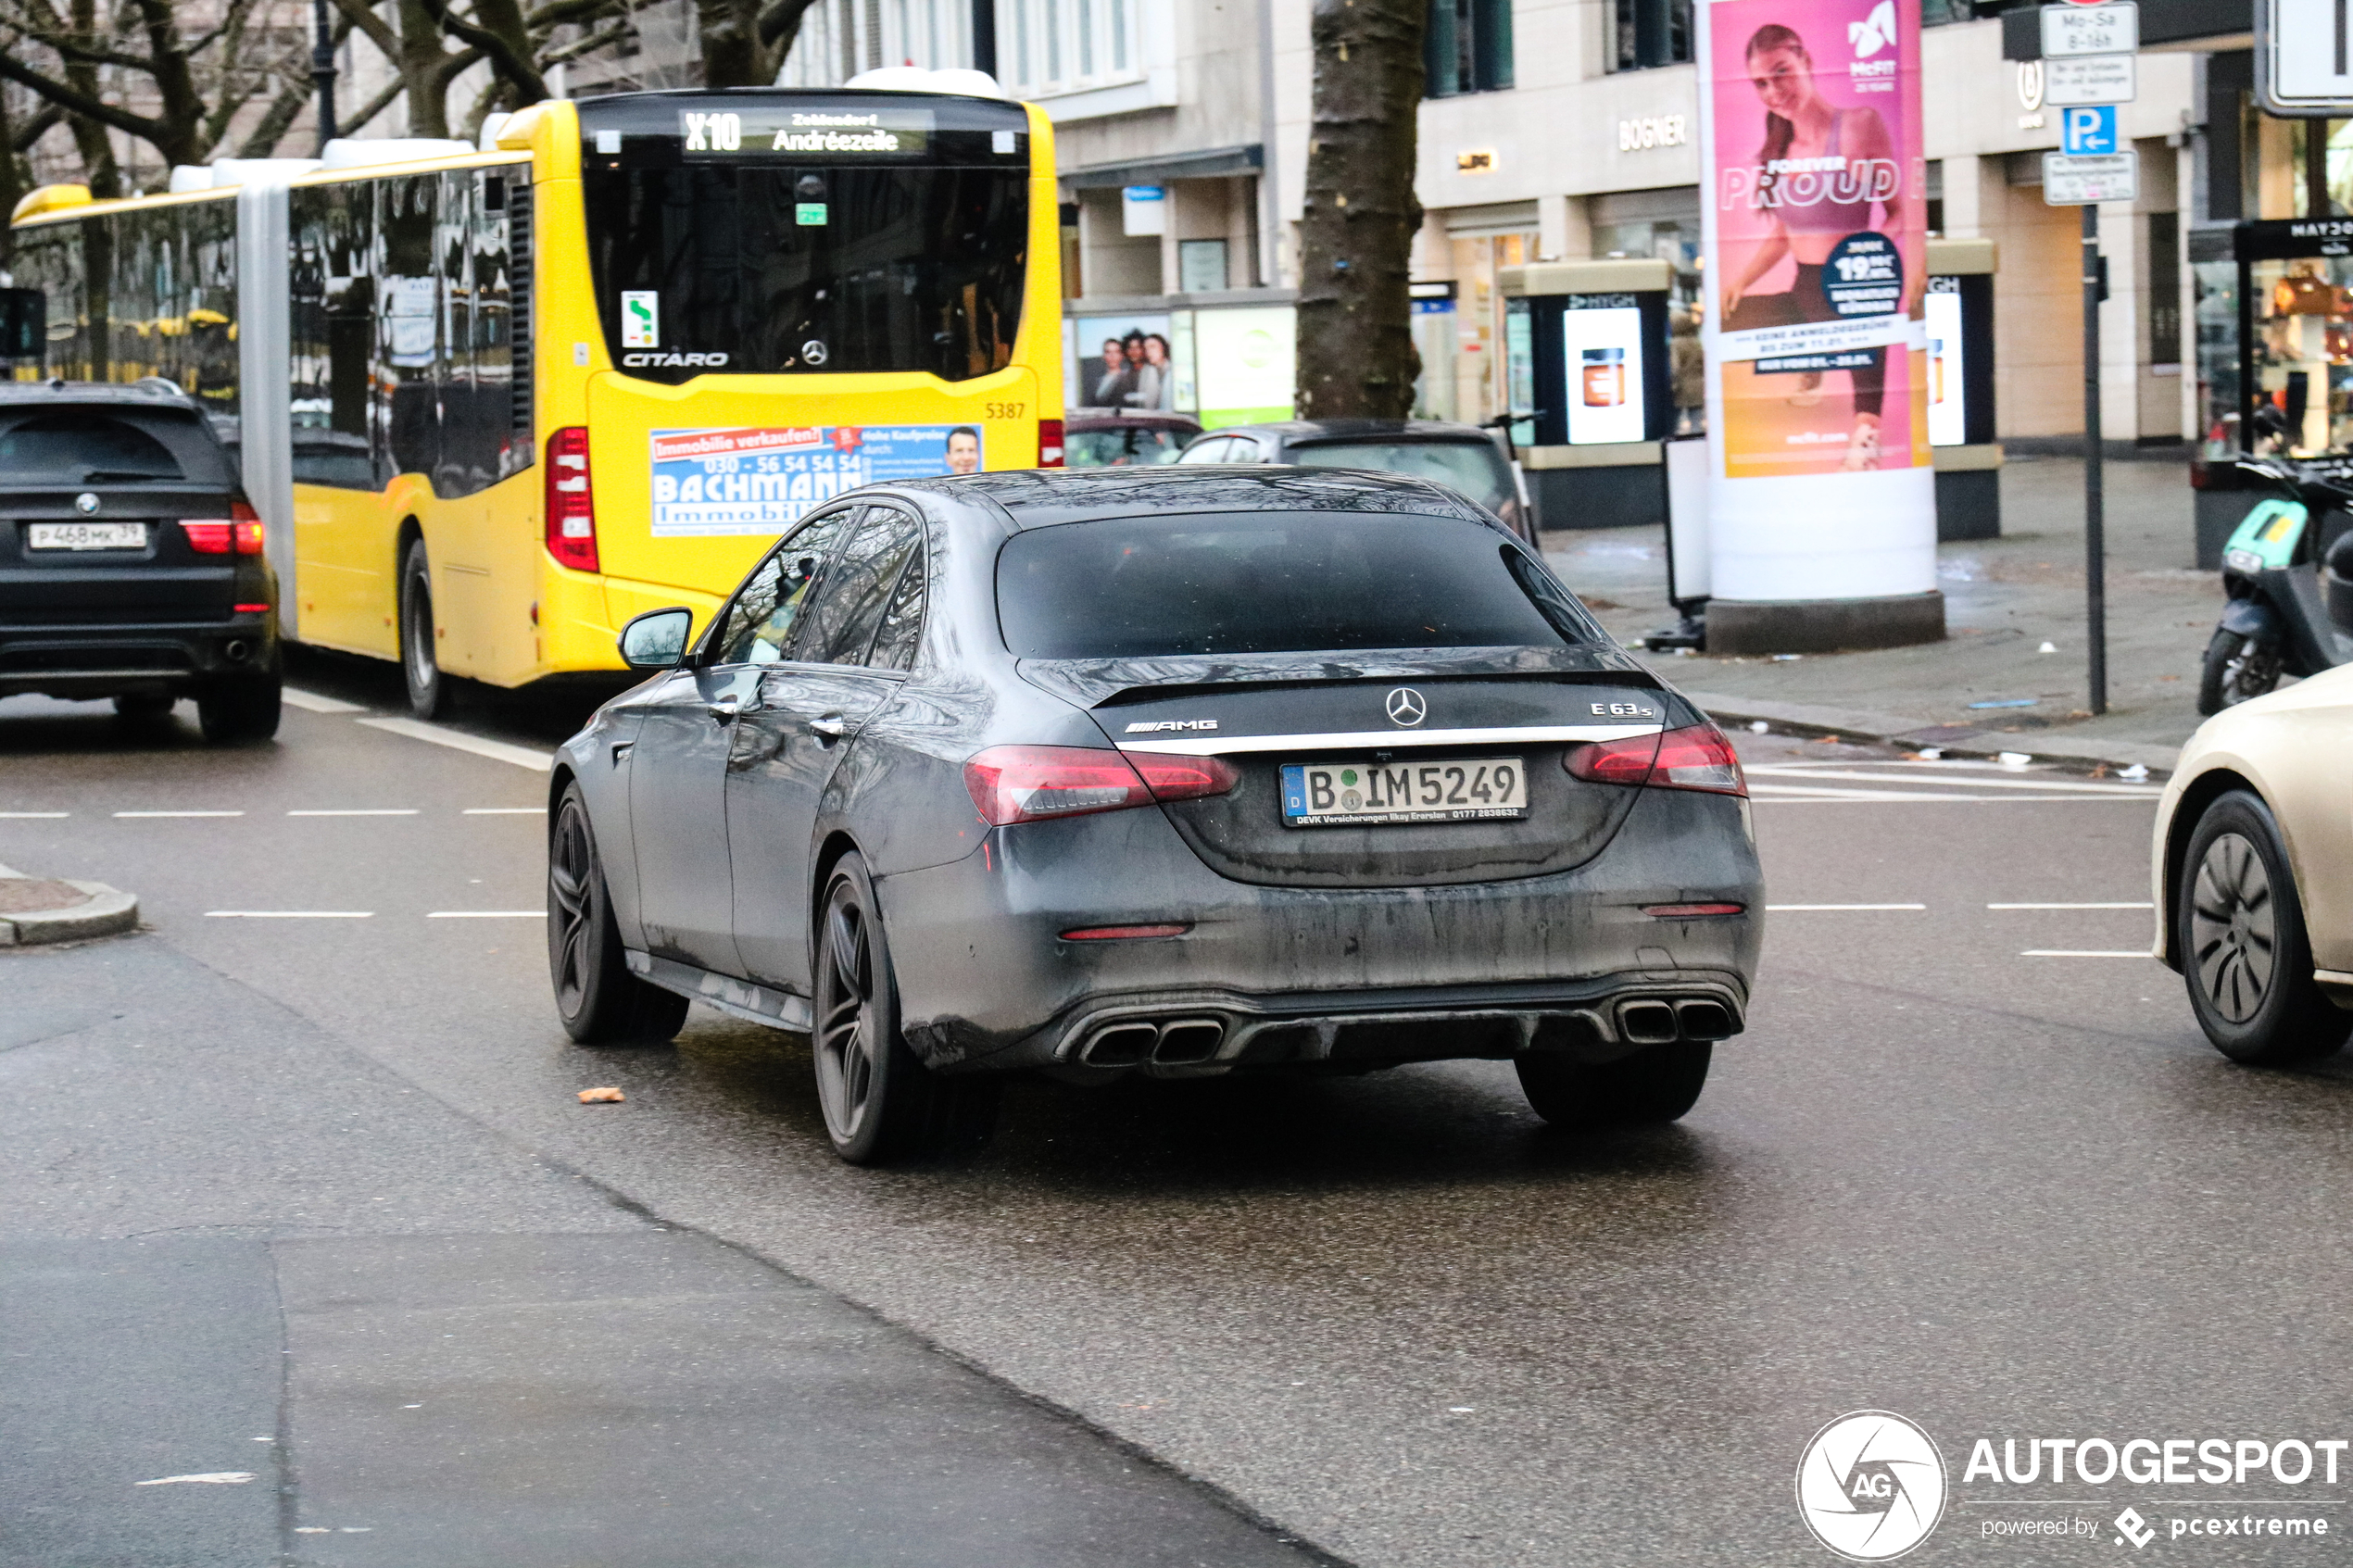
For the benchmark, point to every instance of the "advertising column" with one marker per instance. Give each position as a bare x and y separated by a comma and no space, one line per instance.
1823,501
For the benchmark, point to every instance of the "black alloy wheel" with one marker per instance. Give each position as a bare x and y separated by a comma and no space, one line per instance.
2235,669
2239,932
420,647
599,1002
1654,1084
880,1102
243,708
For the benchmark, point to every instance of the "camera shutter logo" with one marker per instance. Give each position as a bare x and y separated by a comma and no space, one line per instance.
1870,1486
1406,706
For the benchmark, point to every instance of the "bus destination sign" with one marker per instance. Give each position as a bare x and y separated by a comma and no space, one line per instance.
827,133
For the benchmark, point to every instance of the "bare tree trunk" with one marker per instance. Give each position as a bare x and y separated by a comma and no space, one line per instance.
732,54
1356,357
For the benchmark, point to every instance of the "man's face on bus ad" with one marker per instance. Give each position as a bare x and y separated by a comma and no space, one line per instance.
963,452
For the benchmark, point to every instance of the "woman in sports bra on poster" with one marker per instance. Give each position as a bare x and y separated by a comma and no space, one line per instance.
1805,132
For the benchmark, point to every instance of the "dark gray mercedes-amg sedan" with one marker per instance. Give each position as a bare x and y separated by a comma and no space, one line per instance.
1176,771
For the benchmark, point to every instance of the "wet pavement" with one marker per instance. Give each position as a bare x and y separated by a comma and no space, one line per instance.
2005,1194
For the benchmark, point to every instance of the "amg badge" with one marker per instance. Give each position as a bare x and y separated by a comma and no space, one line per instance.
1150,725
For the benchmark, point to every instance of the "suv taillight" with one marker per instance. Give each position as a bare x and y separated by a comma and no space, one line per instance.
240,531
1050,444
572,503
1028,784
1696,757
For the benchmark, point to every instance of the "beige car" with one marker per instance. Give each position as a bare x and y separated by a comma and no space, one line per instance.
2253,871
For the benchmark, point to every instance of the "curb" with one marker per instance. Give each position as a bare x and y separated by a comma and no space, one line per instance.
1887,729
106,912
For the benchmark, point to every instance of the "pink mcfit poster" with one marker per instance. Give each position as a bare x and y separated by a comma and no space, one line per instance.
1819,236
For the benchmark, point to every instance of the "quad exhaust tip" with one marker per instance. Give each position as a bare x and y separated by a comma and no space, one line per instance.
1655,1021
1177,1043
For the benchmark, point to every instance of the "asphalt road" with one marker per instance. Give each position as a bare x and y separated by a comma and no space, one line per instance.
2004,1195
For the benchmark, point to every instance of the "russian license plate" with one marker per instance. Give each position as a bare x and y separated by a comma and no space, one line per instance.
1327,795
87,535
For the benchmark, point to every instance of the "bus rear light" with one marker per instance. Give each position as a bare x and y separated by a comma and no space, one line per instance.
1050,444
572,500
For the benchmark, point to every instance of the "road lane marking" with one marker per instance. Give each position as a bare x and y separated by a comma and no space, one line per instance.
1789,793
32,816
2115,906
2084,953
311,702
290,914
1770,907
360,811
179,813
487,914
496,750
506,811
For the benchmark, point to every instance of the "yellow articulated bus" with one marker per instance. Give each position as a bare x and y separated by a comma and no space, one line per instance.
492,403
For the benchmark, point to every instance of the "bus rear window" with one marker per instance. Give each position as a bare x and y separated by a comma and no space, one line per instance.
772,268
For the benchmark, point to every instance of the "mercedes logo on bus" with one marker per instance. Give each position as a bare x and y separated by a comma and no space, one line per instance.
1406,706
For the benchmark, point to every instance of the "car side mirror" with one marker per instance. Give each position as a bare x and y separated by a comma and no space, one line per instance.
656,640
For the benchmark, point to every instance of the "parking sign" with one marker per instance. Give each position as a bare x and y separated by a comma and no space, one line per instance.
2087,131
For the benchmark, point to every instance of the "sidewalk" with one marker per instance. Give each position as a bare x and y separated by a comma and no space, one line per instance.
2004,599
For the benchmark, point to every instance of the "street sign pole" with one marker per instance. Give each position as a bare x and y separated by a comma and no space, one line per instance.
2094,518
2091,47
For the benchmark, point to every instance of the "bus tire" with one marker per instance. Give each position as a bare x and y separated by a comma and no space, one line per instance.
420,653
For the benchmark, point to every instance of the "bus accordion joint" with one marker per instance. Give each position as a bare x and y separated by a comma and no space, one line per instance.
1050,444
572,500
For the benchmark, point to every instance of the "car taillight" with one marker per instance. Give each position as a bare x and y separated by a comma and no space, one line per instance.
1028,784
572,502
1696,757
1050,444
240,532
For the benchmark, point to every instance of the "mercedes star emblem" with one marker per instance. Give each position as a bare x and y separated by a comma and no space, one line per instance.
85,503
1406,706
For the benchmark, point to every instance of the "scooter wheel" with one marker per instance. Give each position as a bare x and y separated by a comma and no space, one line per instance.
2236,667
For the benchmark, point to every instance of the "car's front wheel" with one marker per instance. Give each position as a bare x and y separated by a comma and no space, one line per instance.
598,1000
1657,1083
880,1101
2239,928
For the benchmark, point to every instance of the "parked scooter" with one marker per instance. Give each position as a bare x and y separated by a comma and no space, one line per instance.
2288,614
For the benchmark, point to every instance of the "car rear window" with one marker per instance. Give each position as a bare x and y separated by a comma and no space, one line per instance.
1275,583
1474,468
92,446
1132,444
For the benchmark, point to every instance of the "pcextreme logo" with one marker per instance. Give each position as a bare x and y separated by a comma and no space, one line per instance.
1870,1486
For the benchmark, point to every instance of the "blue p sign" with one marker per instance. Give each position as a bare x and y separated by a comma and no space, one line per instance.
2087,131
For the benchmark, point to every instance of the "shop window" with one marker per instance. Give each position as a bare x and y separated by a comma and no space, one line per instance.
1651,33
1201,265
1468,46
1935,196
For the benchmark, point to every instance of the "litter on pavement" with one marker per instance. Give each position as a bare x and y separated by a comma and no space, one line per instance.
605,1096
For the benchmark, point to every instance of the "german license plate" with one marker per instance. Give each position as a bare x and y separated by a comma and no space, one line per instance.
87,535
1330,794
